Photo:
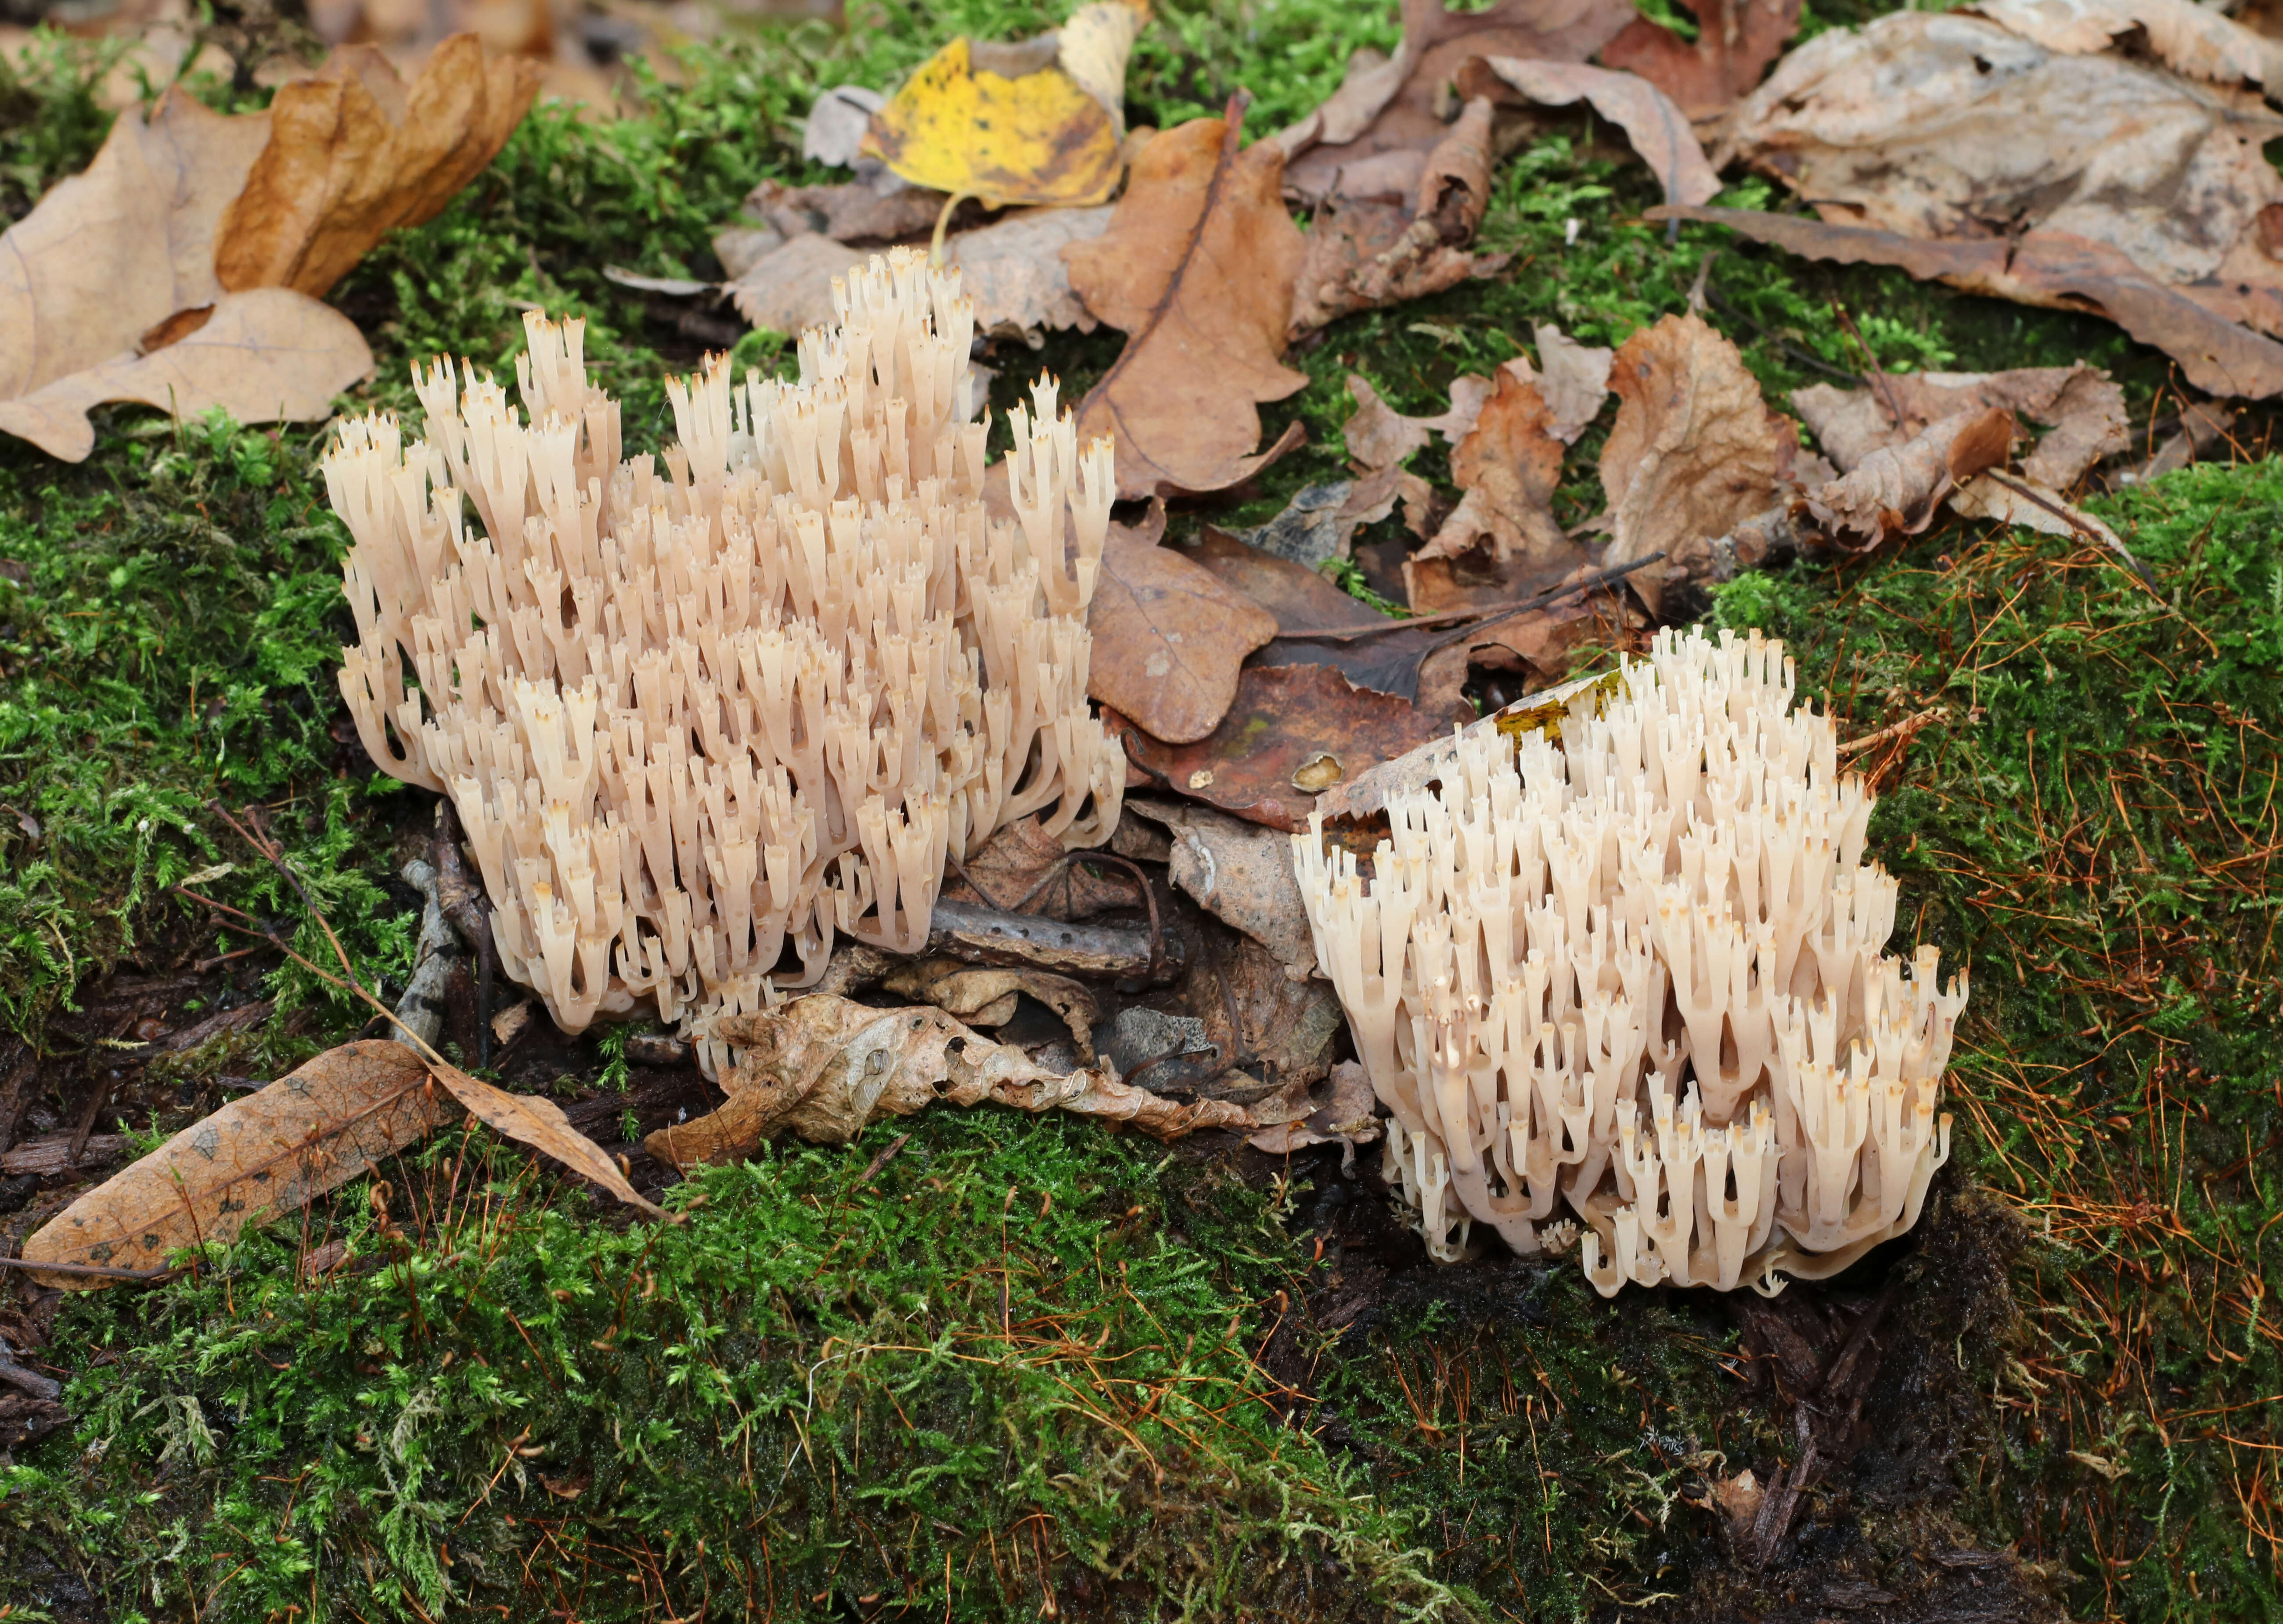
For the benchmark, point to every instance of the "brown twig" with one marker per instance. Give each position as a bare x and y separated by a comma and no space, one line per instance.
1906,729
886,1156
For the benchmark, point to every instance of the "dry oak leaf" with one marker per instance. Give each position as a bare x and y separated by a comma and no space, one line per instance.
1346,1112
1039,122
266,355
259,1157
1292,732
1538,644
1911,135
2023,501
823,1067
1658,130
1373,134
355,152
1306,605
1261,1017
1735,40
986,995
1168,638
1198,269
116,264
1508,464
1693,452
540,1124
2084,405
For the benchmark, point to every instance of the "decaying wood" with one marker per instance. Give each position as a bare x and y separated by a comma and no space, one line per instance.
985,936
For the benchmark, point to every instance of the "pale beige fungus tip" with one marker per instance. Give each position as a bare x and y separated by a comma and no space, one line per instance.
1635,979
698,721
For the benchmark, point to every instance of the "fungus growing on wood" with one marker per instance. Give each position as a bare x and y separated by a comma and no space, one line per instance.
697,721
1632,974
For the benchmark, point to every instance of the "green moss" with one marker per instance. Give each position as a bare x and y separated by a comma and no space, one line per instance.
1012,1359
2093,828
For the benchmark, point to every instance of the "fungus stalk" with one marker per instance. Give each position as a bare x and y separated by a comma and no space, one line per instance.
698,721
1636,977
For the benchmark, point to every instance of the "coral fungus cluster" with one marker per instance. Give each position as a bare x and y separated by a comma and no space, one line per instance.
697,721
1635,976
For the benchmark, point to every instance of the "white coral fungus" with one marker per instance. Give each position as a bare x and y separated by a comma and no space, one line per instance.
1637,974
697,721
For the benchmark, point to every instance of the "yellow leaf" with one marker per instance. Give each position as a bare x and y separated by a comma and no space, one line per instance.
1037,122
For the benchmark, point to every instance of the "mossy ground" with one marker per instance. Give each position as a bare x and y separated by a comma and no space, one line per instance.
1033,1357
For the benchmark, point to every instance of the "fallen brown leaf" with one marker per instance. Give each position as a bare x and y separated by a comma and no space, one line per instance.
354,153
1508,464
1269,1023
259,1157
1300,599
2192,39
1913,134
823,1067
2216,353
1735,42
1292,732
1168,637
2020,501
2084,406
1378,436
1374,131
540,1124
263,356
1535,647
1014,863
1573,377
1242,873
1346,1112
1693,451
985,995
1366,252
1658,130
1896,488
1197,268
847,212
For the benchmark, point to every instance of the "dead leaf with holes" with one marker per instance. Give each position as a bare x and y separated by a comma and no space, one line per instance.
1909,136
1168,637
1197,269
1735,40
1041,120
260,1156
1695,451
822,1067
1292,732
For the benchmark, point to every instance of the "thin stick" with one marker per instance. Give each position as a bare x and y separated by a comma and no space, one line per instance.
1453,617
90,1270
